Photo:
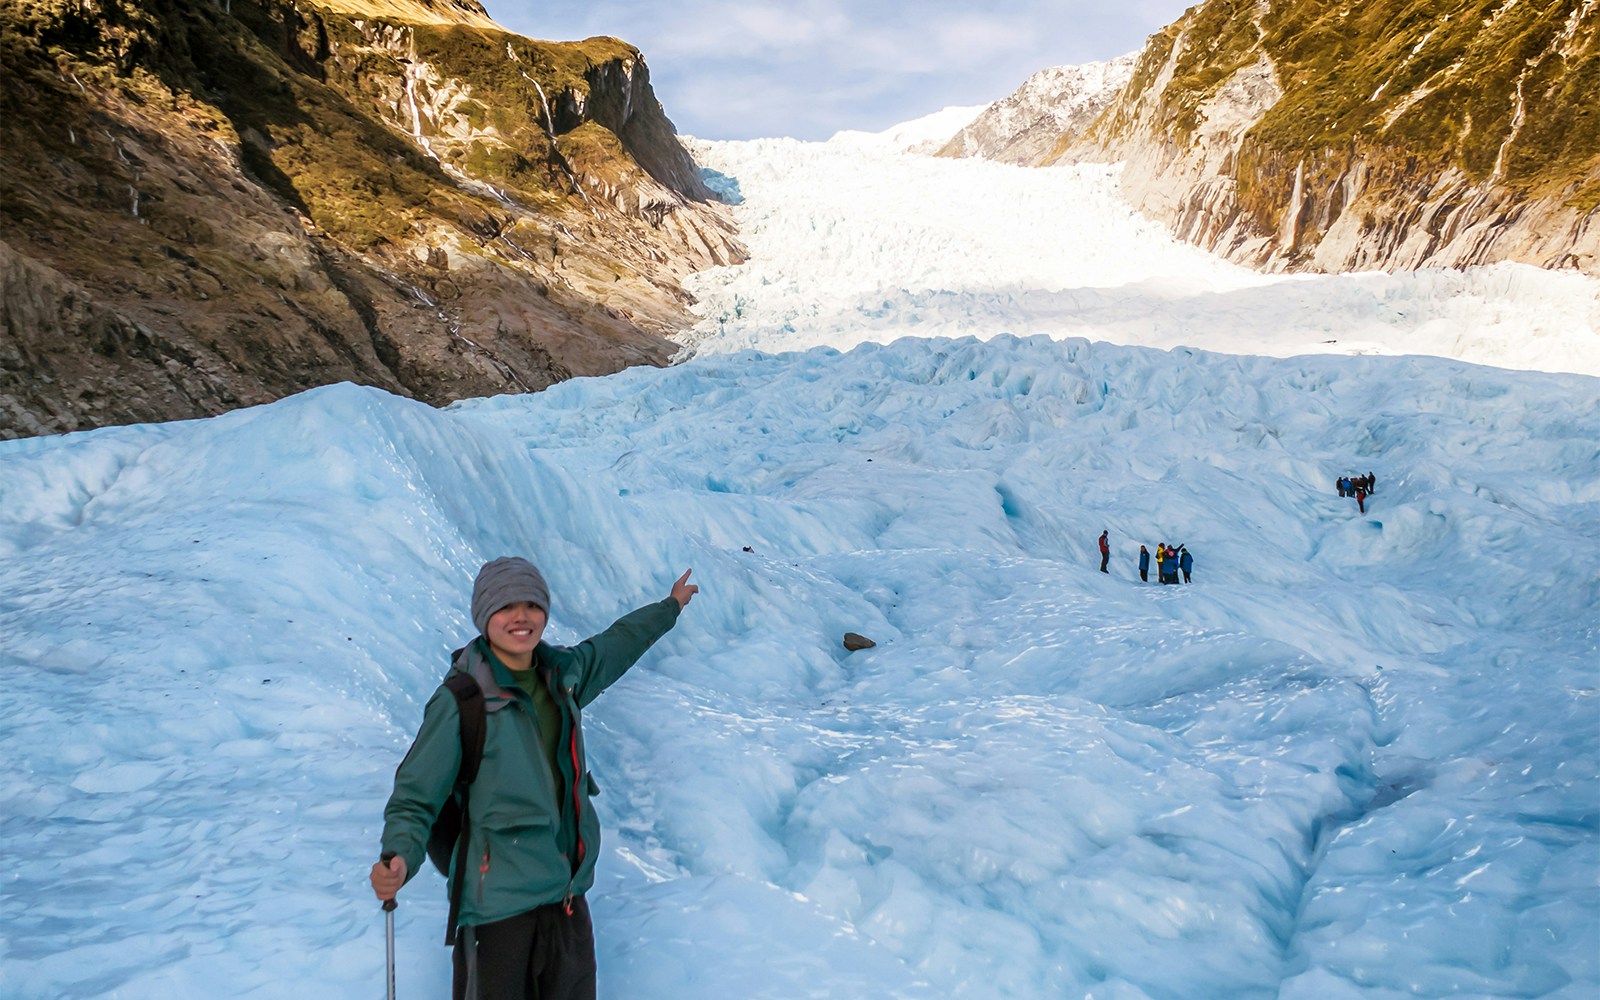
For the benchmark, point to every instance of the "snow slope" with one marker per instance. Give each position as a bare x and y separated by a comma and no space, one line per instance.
852,241
1358,757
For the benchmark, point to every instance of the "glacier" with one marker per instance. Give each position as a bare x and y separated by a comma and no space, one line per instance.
1359,756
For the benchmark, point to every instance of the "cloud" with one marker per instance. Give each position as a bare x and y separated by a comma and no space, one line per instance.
810,68
774,27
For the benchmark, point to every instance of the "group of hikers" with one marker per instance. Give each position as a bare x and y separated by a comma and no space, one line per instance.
1359,487
1170,560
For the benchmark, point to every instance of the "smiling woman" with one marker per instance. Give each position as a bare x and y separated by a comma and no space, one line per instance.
769,68
510,606
514,631
524,930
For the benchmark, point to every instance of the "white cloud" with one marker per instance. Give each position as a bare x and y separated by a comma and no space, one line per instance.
735,70
784,27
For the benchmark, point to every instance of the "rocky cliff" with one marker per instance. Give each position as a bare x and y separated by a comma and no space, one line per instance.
212,204
1311,134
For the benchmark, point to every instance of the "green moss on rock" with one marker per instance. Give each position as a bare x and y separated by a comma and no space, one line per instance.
1438,79
1405,91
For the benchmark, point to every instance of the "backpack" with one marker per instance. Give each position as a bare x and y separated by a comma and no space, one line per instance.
454,823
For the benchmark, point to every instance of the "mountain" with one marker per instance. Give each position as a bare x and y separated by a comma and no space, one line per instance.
1026,126
209,205
1313,135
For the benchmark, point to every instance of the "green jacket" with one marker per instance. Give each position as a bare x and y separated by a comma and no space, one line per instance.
517,860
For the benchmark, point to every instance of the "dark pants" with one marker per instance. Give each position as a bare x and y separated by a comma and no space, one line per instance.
544,954
1144,574
1186,577
1105,557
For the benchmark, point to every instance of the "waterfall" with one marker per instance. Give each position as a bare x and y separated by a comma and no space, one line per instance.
549,120
550,130
416,112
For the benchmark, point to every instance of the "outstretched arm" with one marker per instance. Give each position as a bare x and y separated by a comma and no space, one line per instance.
601,659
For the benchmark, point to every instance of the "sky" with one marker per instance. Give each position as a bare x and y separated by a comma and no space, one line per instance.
1356,757
740,69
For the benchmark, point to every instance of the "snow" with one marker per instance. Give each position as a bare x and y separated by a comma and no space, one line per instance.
1359,756
852,242
927,134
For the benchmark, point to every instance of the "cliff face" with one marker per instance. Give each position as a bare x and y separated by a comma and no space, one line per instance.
206,205
1310,134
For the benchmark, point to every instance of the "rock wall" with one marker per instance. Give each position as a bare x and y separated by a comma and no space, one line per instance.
1301,134
210,205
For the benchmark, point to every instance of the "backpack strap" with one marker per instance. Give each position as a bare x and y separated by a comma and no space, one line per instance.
474,723
469,702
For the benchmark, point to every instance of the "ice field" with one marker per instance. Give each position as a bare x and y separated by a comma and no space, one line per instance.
1358,757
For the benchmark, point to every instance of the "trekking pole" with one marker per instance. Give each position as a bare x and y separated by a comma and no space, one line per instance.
388,920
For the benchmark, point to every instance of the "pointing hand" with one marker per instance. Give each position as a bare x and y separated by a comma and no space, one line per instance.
683,590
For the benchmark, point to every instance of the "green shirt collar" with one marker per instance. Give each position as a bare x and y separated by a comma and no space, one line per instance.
504,675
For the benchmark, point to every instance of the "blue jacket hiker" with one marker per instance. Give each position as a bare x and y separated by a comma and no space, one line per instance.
532,834
1185,561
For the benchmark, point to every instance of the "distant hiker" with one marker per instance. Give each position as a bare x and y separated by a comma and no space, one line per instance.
1361,499
1372,484
1185,561
524,928
1144,564
1340,483
1105,551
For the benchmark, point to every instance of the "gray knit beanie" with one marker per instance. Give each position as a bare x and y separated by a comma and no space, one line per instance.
504,581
